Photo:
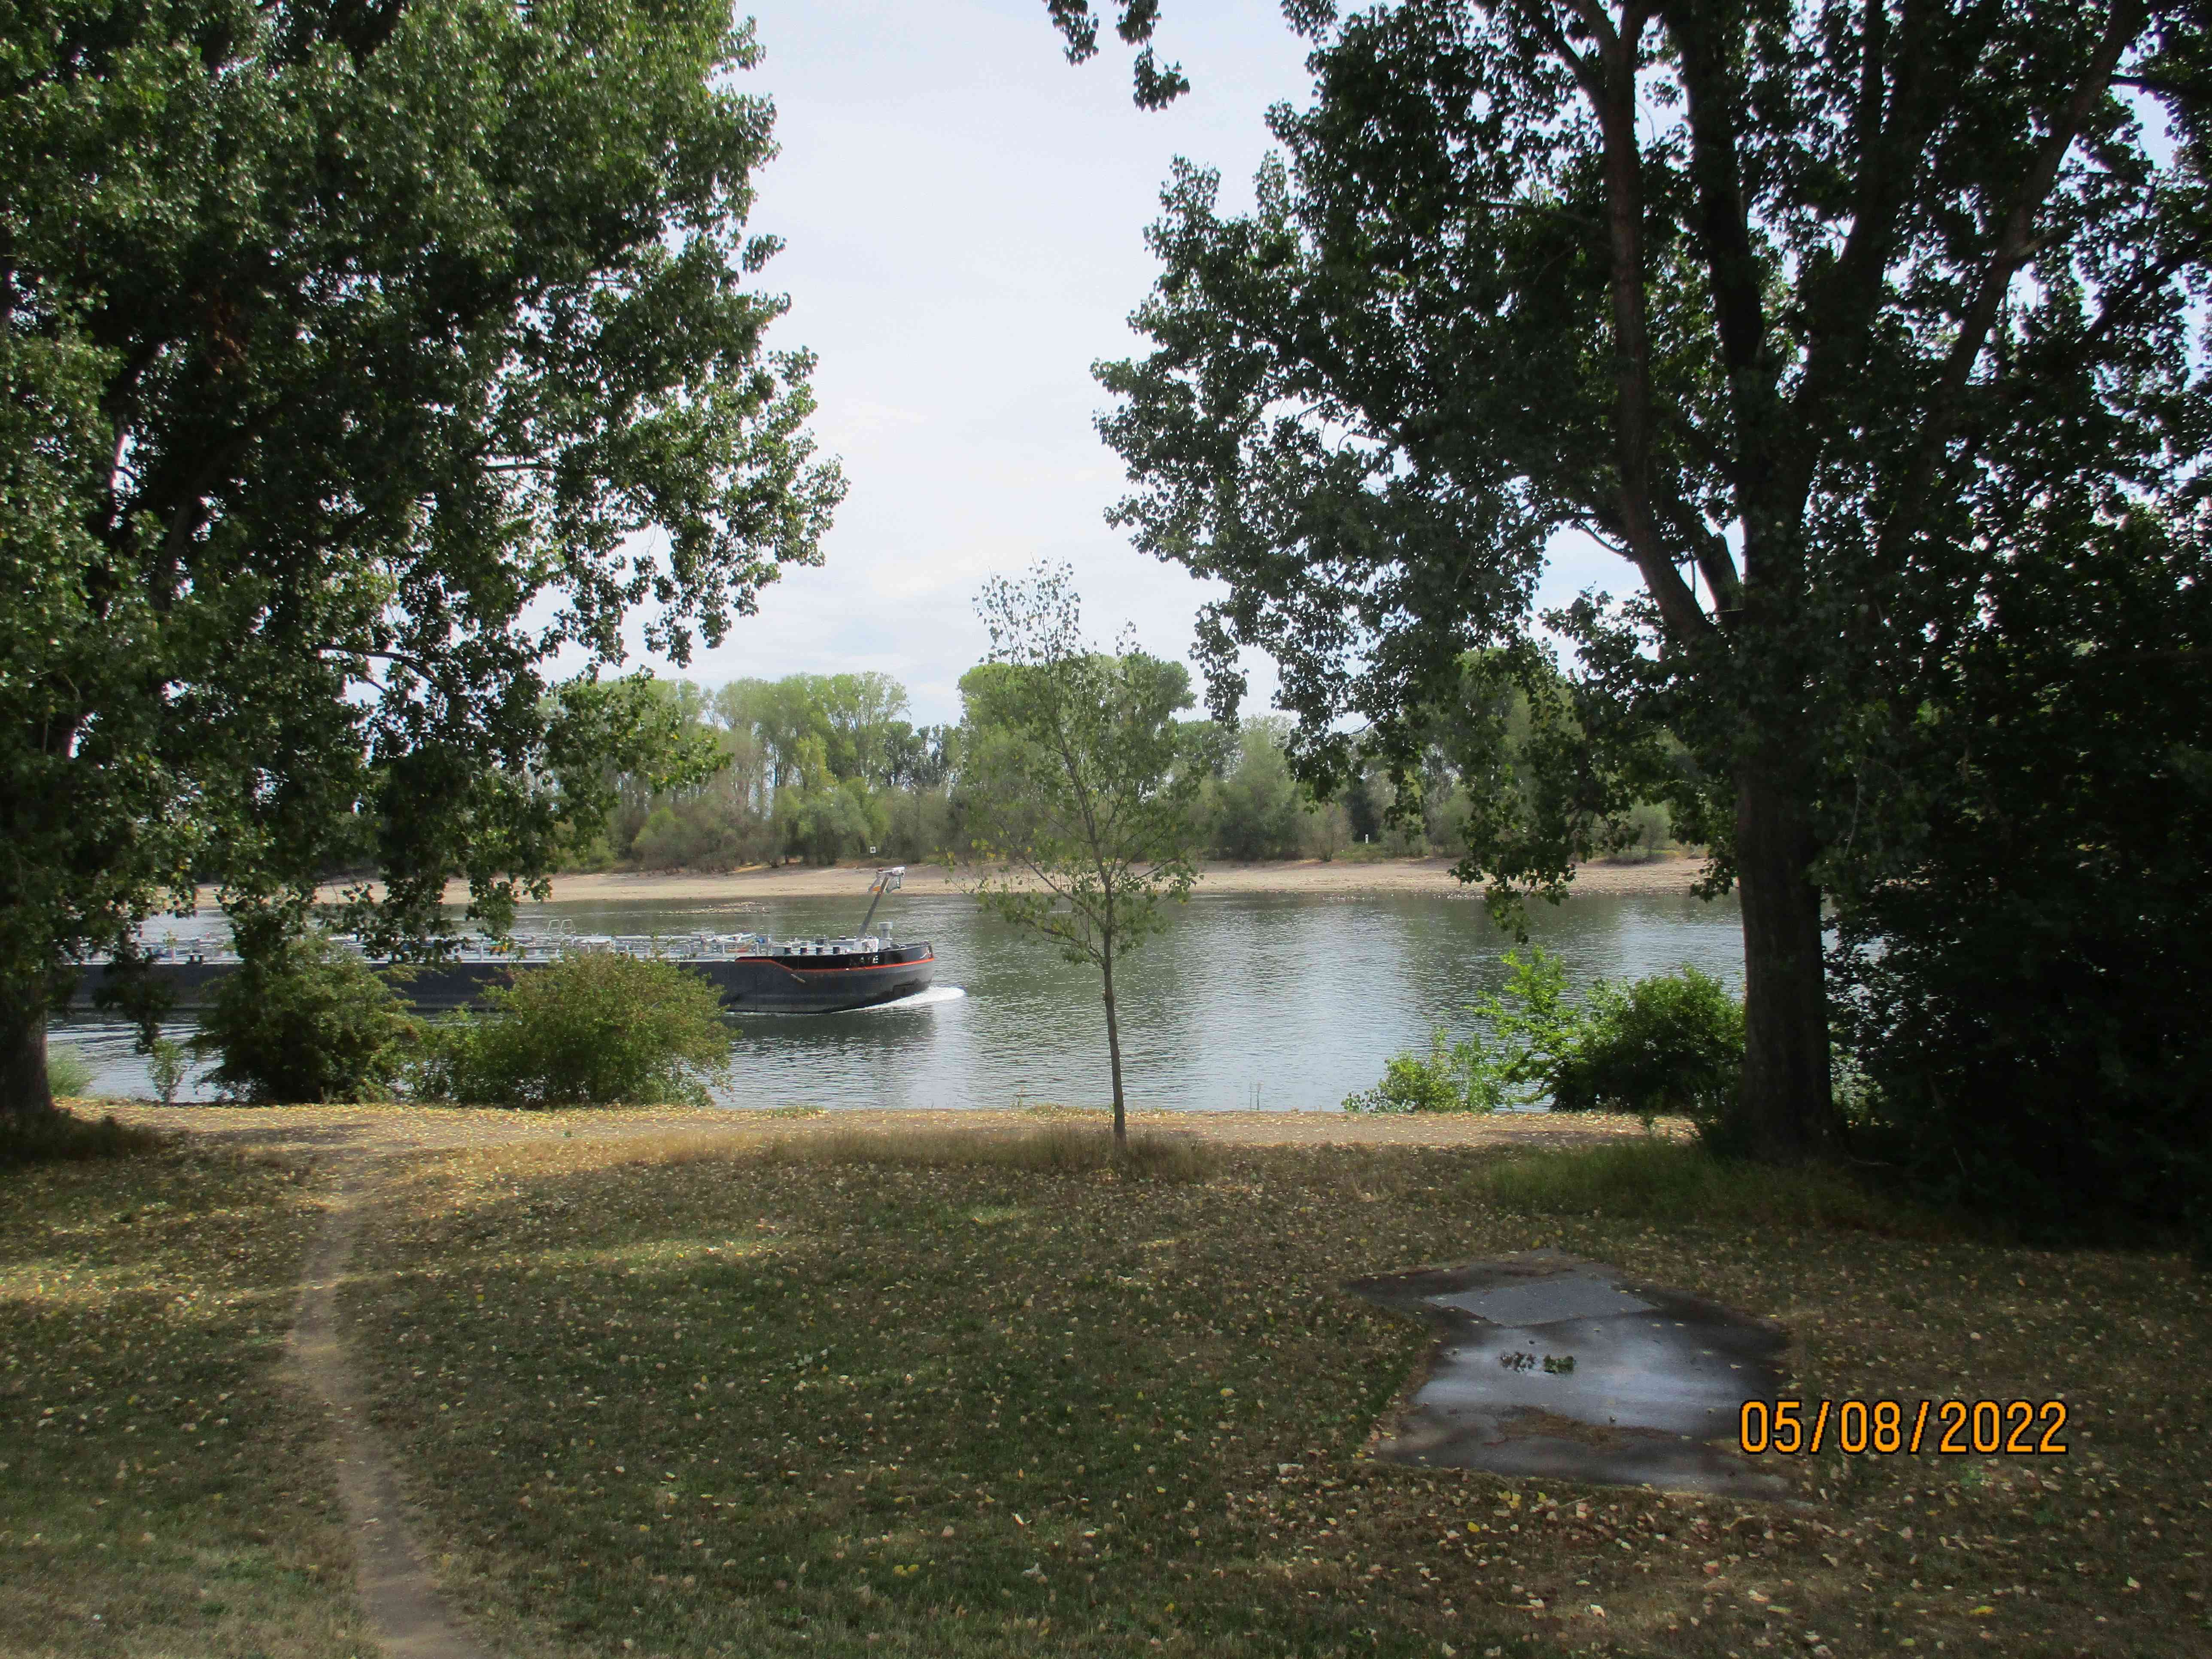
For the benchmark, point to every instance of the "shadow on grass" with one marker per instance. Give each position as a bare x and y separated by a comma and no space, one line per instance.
1062,1149
1058,1149
1681,1184
62,1137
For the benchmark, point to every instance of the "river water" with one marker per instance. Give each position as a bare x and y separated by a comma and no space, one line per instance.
1273,1002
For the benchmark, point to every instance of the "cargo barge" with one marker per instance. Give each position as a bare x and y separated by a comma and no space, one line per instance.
753,974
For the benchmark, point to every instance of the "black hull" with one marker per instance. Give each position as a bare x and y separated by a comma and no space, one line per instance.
765,985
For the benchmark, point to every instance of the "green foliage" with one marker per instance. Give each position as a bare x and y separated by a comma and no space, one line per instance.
666,842
1440,1081
595,1027
166,1065
308,1021
815,729
68,1072
919,825
821,767
1531,1029
1466,758
1670,1045
1213,749
2026,928
1650,830
1076,782
1525,1030
1257,811
1154,85
821,823
349,354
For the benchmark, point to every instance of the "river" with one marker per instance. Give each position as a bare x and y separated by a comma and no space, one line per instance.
1266,1002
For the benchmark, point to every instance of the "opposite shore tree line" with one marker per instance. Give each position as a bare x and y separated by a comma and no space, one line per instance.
813,769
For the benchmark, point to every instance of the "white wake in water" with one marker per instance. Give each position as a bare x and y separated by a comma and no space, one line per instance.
929,998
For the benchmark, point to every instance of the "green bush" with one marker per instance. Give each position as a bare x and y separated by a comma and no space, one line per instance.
2025,931
69,1073
706,833
592,1029
1434,1082
822,825
1671,1045
312,1022
1651,829
1257,811
1525,1029
166,1066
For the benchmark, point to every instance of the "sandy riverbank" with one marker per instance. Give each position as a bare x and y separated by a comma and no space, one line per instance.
1312,876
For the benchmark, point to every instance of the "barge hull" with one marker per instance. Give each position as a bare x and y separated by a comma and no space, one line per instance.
746,984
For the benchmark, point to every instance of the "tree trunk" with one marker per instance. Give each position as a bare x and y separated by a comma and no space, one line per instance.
1114,1050
1785,1111
24,1092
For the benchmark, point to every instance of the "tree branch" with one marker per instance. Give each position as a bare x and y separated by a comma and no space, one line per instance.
415,664
1740,313
2182,92
2119,306
2014,246
1887,147
1608,79
1712,551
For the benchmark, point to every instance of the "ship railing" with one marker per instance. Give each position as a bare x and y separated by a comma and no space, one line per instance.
675,946
548,944
829,947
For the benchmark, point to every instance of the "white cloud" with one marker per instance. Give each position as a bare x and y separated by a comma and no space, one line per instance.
962,214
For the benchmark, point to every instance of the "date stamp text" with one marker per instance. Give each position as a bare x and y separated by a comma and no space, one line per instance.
1952,1428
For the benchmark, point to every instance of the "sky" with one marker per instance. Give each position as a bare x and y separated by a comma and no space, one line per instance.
963,215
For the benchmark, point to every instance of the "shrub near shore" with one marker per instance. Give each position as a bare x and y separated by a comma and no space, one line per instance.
595,1027
1667,1046
310,1022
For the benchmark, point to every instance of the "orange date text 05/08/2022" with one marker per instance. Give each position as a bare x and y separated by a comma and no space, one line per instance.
2019,1428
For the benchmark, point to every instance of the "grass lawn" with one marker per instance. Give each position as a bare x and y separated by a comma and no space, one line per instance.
164,1490
675,1397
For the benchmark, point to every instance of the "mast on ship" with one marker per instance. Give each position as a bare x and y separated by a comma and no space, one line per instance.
886,881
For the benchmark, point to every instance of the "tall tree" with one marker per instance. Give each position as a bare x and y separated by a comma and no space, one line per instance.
1072,768
1796,305
355,363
